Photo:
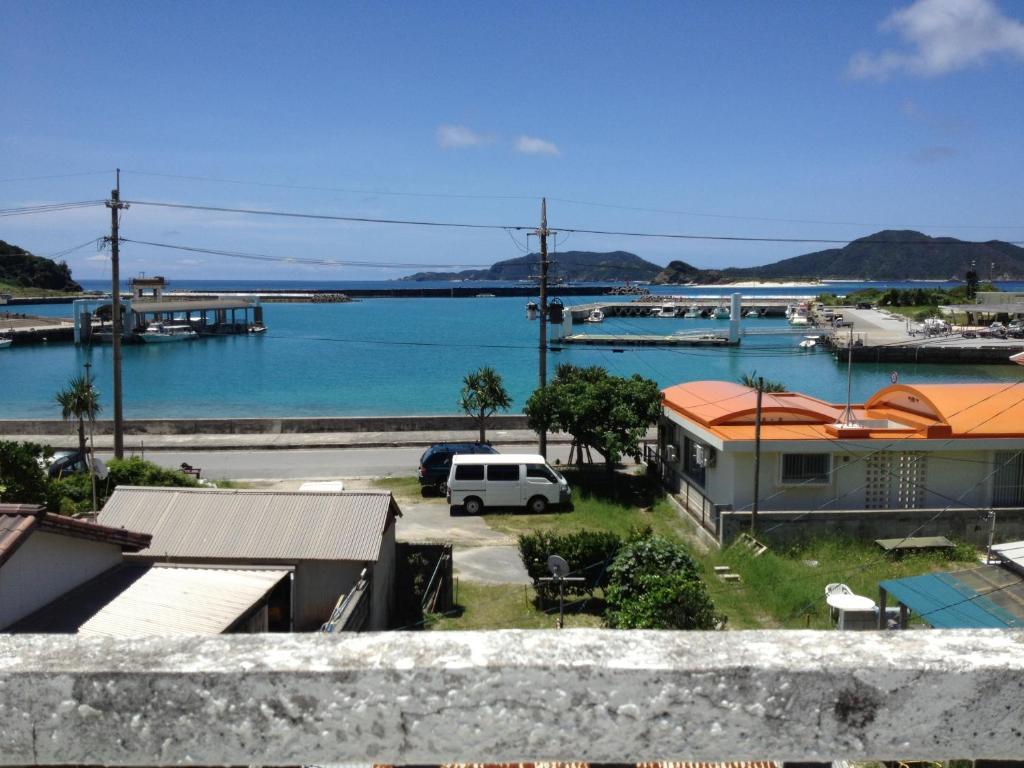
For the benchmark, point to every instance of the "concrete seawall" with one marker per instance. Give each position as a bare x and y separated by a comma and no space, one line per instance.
278,426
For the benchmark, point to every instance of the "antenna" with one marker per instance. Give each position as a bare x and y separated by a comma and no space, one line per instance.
559,570
847,418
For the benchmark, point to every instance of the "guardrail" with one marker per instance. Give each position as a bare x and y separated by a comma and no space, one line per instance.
491,697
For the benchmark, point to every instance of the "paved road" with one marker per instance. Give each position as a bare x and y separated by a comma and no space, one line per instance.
312,464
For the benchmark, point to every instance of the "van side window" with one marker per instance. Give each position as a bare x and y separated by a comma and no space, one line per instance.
508,472
469,472
540,471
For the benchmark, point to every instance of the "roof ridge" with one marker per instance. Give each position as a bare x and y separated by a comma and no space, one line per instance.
269,491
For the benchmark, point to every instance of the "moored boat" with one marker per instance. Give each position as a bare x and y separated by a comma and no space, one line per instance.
5,342
721,312
692,311
159,333
595,316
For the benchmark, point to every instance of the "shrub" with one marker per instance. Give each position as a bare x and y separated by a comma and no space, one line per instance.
22,477
655,584
588,554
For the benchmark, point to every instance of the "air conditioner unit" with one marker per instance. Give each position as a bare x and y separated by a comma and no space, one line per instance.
704,455
671,454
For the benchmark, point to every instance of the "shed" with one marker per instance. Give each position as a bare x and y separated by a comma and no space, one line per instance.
989,597
141,599
327,538
44,555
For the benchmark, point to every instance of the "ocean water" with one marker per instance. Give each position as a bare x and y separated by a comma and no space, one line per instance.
408,356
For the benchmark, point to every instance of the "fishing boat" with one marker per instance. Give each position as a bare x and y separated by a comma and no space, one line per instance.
752,313
595,316
809,342
665,310
159,333
258,328
5,343
721,312
692,311
800,315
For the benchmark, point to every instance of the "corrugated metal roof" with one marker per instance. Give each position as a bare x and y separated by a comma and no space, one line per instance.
989,597
254,526
183,601
1011,553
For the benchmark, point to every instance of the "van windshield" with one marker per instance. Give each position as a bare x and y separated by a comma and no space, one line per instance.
541,471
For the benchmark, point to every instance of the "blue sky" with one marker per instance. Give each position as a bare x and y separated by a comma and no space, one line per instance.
860,115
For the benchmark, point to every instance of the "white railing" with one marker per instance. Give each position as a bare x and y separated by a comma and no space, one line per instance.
594,695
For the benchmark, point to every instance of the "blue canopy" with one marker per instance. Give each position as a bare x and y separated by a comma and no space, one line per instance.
989,597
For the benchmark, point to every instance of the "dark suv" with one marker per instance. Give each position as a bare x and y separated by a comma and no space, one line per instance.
436,462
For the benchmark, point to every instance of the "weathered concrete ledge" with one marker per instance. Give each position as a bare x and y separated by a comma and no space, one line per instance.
273,426
602,696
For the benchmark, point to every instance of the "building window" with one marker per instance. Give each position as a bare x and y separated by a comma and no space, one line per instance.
807,468
693,468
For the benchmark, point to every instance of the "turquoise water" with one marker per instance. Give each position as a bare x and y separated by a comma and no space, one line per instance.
406,356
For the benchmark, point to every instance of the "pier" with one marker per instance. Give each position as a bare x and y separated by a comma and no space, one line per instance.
637,340
764,306
34,329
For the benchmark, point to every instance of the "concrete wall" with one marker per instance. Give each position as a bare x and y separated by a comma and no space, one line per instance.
270,426
783,528
318,585
45,567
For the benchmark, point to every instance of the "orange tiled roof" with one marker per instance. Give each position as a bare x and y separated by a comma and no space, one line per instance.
727,410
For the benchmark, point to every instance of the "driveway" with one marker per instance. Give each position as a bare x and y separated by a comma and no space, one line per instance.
479,553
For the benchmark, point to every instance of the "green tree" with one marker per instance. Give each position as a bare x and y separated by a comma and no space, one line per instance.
655,584
22,477
79,401
483,393
765,385
608,413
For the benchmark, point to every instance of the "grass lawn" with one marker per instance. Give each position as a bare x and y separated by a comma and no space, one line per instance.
507,606
19,291
788,589
600,504
403,487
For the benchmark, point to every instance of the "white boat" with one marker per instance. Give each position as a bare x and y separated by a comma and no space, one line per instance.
721,313
808,343
5,343
752,313
159,333
692,311
800,315
595,316
666,310
1018,358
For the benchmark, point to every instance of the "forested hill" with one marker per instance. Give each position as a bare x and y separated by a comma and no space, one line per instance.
578,266
895,255
19,267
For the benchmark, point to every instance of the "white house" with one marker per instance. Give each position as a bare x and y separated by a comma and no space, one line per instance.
913,458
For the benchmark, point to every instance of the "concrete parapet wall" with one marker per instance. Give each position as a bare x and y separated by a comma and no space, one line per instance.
577,695
782,528
279,426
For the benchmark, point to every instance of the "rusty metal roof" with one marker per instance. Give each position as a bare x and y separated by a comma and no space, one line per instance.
18,521
254,526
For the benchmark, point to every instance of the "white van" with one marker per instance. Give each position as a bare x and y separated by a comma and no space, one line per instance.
504,480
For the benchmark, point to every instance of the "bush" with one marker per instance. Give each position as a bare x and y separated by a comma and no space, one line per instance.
588,554
655,584
22,478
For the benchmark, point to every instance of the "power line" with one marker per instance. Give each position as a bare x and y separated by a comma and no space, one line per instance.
345,190
775,219
48,208
327,217
56,176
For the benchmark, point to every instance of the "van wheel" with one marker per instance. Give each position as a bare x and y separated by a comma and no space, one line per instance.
442,487
538,505
473,505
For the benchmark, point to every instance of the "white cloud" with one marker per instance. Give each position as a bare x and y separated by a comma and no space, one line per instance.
943,36
530,145
100,257
458,136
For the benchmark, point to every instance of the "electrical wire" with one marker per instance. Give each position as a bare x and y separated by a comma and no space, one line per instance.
48,208
56,176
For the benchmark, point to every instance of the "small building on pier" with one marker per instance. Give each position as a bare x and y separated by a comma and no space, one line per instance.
207,316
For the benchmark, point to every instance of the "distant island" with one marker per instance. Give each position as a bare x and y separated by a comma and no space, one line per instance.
577,266
886,255
21,269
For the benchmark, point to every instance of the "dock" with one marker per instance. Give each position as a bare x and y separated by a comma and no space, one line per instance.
647,340
764,306
35,329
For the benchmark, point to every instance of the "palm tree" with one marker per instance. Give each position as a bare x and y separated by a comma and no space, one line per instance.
751,380
483,393
79,400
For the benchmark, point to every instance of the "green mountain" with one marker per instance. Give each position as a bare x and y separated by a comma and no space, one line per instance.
680,272
578,266
896,255
19,267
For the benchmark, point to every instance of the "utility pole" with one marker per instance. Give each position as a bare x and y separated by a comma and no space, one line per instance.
757,456
115,205
92,445
542,234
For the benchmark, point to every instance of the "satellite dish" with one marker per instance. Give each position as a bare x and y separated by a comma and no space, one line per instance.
99,468
558,567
